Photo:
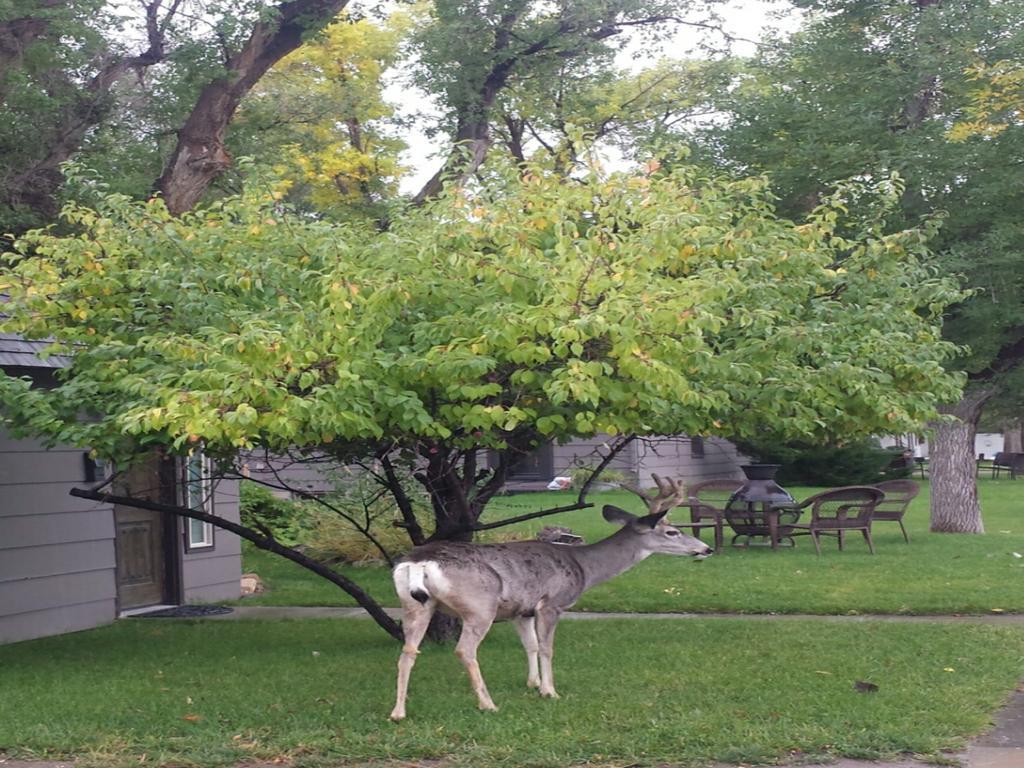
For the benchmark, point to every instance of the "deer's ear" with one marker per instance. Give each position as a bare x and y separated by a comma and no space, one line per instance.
616,515
649,521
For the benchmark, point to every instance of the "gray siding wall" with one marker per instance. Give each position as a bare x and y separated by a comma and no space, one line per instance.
214,574
673,457
586,452
309,476
56,552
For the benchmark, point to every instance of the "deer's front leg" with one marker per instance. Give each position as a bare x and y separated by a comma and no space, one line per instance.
415,620
526,626
473,630
546,621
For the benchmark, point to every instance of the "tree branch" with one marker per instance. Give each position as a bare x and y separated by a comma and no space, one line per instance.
394,485
1008,356
200,155
281,485
530,516
614,450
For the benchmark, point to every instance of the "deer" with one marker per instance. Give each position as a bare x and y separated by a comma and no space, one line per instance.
530,583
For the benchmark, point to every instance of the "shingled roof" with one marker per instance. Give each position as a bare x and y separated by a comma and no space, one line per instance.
16,351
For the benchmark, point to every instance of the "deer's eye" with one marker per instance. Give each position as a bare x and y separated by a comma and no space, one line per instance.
671,532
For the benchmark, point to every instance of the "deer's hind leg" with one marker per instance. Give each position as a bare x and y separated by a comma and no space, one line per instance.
415,620
547,620
475,626
526,626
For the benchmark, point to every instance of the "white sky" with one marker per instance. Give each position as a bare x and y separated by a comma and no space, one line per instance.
742,18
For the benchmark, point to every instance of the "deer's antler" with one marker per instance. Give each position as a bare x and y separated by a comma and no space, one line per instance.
670,494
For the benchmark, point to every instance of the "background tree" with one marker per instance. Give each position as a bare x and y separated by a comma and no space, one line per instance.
626,305
60,65
469,58
322,115
867,88
142,92
593,103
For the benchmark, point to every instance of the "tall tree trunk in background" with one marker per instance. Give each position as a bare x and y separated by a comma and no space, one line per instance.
17,34
35,186
200,155
1013,436
954,489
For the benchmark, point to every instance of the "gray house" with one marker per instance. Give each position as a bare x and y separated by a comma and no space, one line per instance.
68,564
689,459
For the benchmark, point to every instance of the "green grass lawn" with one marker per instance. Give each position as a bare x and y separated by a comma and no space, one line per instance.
935,573
214,693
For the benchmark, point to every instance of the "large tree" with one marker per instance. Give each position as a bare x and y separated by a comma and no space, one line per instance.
525,310
469,58
71,74
320,116
867,88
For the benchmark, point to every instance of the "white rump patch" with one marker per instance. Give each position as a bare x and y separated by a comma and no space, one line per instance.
425,577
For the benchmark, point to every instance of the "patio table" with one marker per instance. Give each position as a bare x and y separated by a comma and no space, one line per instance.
770,521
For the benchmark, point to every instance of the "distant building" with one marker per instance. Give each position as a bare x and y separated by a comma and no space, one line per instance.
684,458
986,444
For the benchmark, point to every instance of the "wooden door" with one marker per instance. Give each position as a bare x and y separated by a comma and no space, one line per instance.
146,553
141,560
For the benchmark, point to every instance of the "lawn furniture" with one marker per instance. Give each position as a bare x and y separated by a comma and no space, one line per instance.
1008,462
707,505
704,516
836,511
757,509
898,495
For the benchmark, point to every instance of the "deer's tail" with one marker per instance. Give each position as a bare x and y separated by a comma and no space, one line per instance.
412,578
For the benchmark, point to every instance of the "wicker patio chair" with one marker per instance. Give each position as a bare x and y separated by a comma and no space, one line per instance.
898,495
707,506
836,511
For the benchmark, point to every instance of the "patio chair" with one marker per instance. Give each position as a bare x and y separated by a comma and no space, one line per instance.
707,506
704,516
898,495
836,511
1010,462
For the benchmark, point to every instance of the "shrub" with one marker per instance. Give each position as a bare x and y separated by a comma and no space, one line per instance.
369,527
259,508
858,463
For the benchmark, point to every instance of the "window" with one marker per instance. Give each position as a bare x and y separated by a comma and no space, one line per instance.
197,493
697,447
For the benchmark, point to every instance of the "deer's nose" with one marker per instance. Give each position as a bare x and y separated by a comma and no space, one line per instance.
707,551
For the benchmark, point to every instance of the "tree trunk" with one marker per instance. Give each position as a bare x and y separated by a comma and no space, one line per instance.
200,155
444,628
951,462
472,141
16,35
1013,439
36,185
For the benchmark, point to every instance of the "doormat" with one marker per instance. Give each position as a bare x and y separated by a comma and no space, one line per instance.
186,612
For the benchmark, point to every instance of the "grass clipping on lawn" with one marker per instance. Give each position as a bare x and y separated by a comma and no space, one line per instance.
681,692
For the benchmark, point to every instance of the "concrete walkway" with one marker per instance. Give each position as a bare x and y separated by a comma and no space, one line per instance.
292,612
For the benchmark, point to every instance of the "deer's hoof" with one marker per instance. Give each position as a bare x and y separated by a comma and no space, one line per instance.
397,716
533,683
488,707
550,694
